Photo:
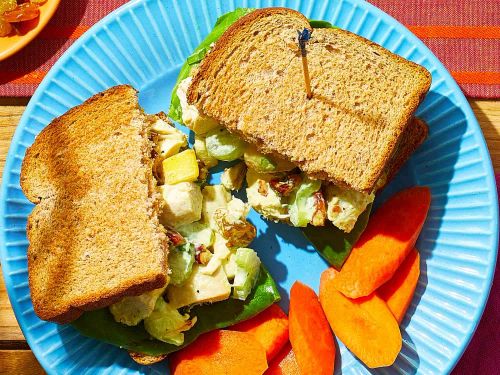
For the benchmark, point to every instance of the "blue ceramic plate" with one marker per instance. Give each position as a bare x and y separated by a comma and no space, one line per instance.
144,43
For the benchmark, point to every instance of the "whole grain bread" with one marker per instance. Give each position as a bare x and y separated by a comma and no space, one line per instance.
363,95
94,233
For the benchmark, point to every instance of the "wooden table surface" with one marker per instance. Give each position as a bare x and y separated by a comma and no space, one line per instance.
15,356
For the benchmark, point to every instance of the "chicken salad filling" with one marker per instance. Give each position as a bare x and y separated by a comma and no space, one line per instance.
208,234
276,188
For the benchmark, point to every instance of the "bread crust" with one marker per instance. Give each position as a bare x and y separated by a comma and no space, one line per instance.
225,39
73,312
369,176
413,136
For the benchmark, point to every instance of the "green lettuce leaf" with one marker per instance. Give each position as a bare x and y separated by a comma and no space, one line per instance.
247,271
180,261
99,324
332,243
318,24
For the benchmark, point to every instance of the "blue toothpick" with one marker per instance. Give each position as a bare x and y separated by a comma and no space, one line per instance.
304,37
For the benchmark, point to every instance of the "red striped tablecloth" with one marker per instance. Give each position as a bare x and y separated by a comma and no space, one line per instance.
464,34
21,73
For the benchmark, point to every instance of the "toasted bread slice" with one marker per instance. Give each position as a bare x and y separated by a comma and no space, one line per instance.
252,82
94,232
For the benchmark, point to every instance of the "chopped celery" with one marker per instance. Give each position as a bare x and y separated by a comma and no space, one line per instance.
223,145
302,202
200,148
180,260
166,323
198,233
247,272
131,310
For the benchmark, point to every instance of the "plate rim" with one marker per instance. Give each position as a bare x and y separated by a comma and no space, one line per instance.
478,132
401,30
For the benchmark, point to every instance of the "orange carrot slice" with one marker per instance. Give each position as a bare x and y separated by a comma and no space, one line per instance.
398,291
284,363
270,328
390,235
311,338
220,352
365,325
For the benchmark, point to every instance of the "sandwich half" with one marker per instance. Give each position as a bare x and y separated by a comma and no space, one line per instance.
363,96
94,233
128,242
309,161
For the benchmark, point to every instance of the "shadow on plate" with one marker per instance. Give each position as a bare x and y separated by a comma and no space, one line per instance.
267,245
407,361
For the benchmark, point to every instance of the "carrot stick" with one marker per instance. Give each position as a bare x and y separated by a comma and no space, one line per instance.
284,363
398,291
387,240
311,338
365,325
220,352
270,328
